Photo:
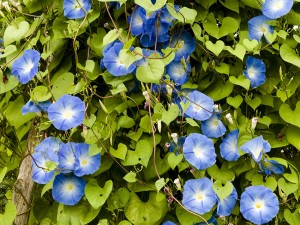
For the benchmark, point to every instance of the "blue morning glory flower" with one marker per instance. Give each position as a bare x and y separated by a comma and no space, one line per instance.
66,157
168,223
259,204
84,163
225,206
31,106
112,62
201,106
269,166
26,67
75,9
137,20
184,43
276,8
43,166
256,147
229,147
199,151
213,127
258,27
255,72
67,112
198,195
51,144
68,189
179,72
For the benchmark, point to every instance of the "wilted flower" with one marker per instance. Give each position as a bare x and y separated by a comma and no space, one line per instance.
269,166
259,204
31,106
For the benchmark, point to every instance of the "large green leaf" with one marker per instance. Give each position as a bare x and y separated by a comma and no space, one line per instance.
7,82
289,55
152,72
146,213
290,116
293,136
15,32
148,6
13,113
9,215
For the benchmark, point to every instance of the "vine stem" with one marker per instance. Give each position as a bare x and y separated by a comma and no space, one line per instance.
153,136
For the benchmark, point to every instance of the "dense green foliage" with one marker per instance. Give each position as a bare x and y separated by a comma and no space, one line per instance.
136,180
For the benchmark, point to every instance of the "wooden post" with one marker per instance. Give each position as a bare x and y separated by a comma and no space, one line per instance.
24,186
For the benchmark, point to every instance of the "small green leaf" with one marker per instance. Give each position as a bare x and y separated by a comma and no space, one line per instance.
148,6
2,173
250,45
192,122
185,15
216,48
151,73
111,36
222,191
235,101
174,160
253,103
130,177
96,195
40,94
160,183
289,55
241,81
239,51
120,153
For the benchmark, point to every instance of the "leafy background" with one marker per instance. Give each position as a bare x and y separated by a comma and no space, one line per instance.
128,188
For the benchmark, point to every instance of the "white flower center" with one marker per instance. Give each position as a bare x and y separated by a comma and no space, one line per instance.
198,152
252,72
259,205
200,196
28,67
69,187
68,113
277,5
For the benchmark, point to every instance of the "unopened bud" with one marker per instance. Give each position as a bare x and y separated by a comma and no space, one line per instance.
146,95
177,183
229,118
6,6
175,137
169,90
159,126
216,108
254,122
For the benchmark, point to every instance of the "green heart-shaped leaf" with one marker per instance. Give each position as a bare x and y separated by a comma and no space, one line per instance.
250,45
289,55
174,160
229,25
290,116
292,218
15,32
254,103
9,215
241,81
96,195
222,191
293,136
216,48
235,101
239,51
152,72
120,153
287,187
167,116
265,120
270,182
7,83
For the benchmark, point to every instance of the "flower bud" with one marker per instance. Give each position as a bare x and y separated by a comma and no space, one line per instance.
175,138
229,118
254,122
